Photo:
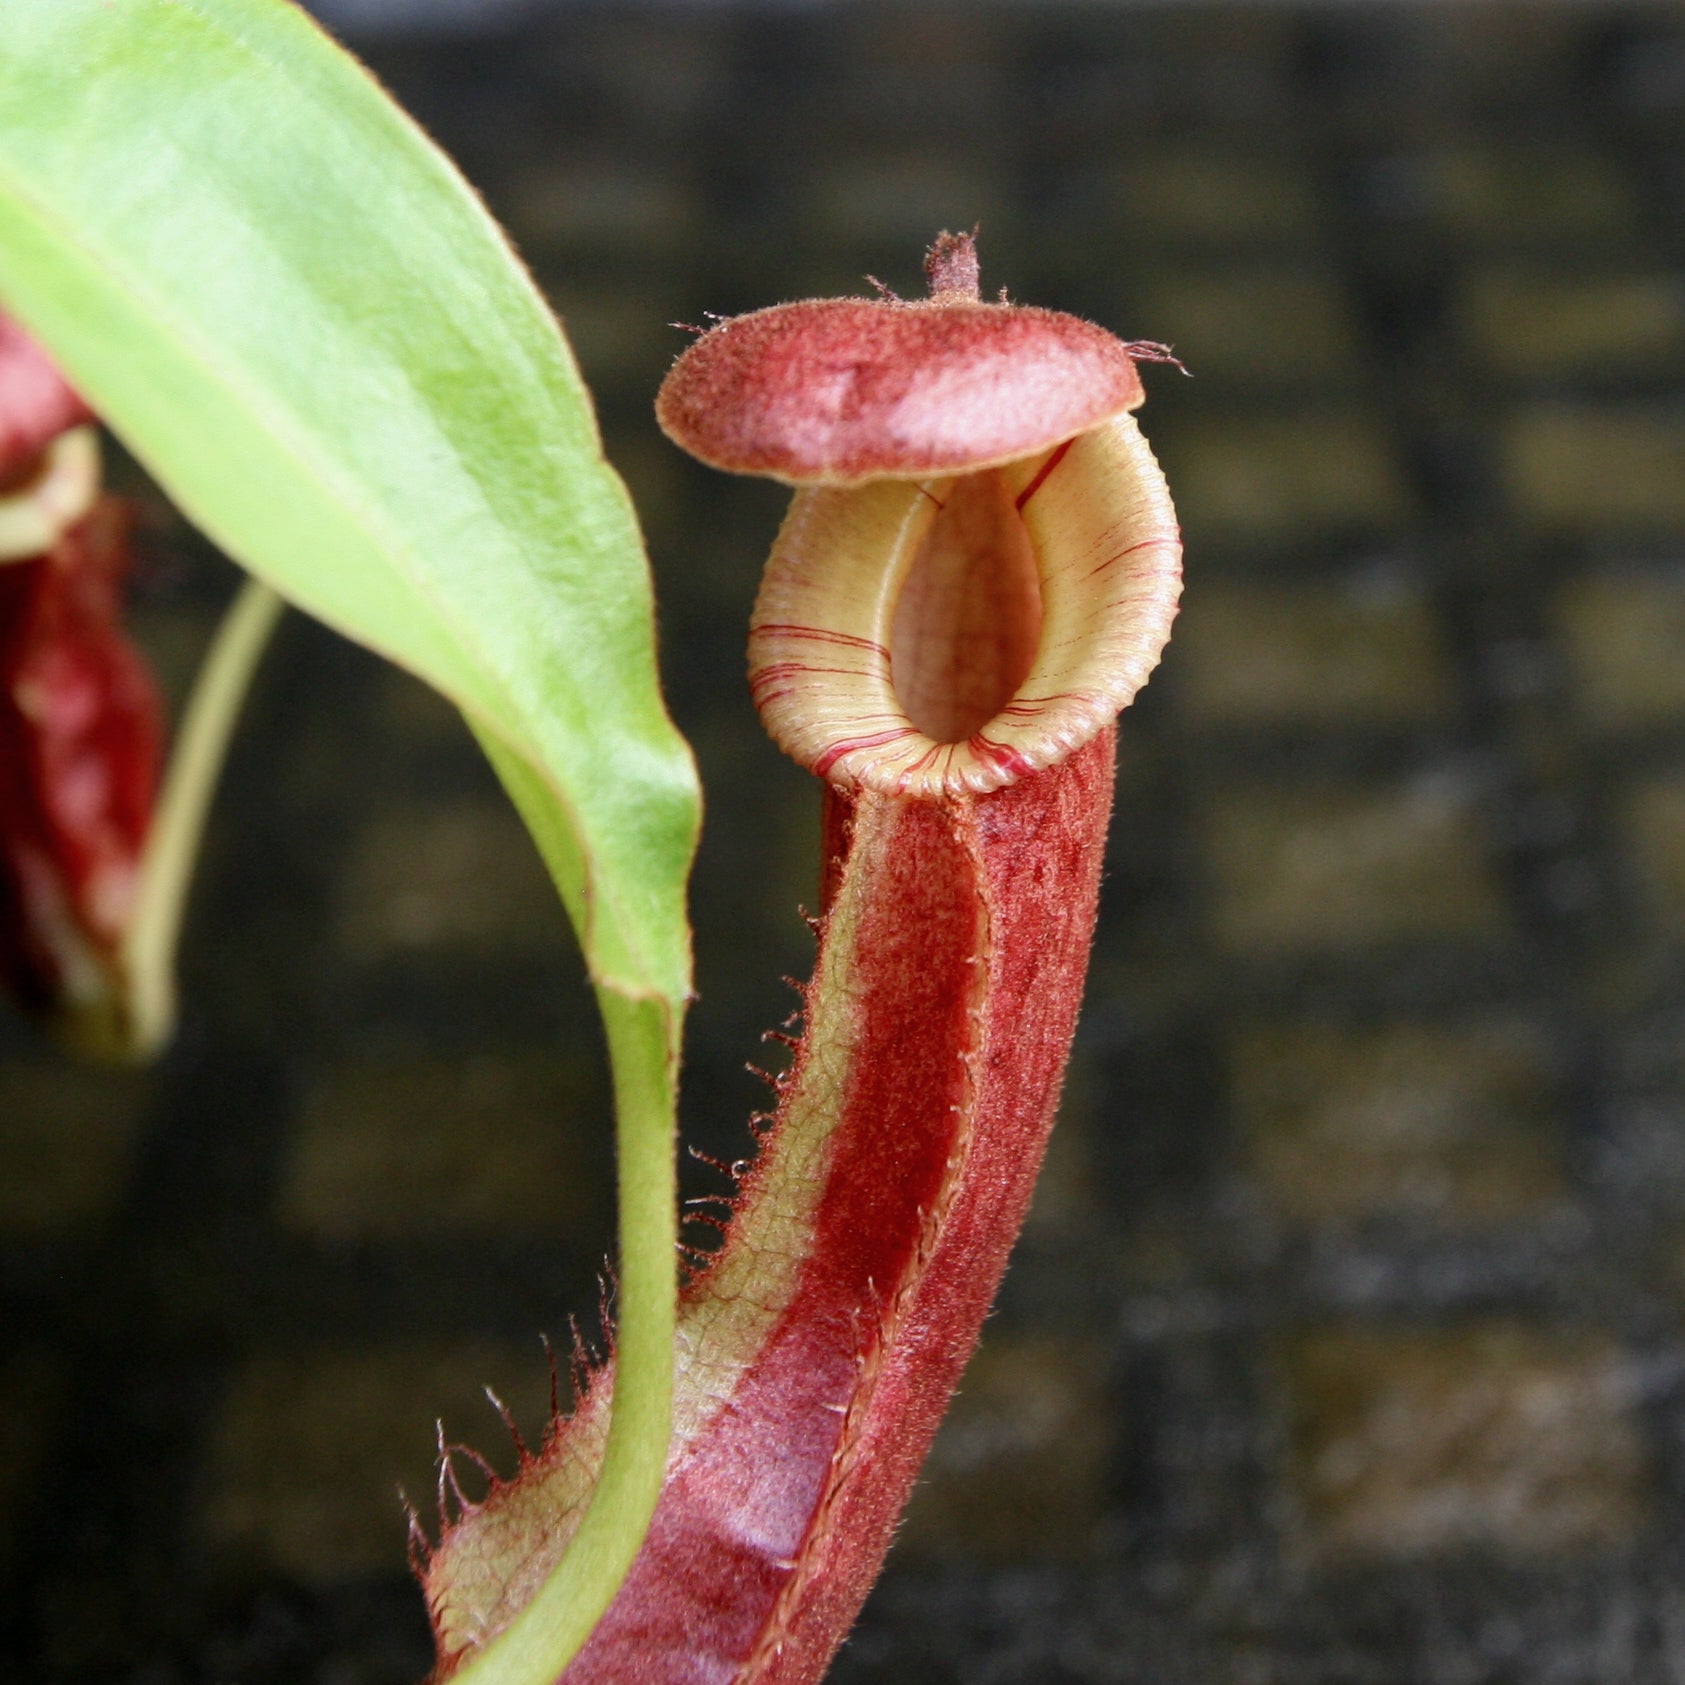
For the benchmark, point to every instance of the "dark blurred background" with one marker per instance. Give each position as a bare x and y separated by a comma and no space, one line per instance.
1347,1339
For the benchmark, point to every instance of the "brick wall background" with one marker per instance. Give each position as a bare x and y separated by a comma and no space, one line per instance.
1347,1339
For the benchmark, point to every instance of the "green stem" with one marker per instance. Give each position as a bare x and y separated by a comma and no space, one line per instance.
643,1043
178,824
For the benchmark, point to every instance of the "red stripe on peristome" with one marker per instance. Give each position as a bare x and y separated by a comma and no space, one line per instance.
879,740
1157,540
778,629
1002,756
965,968
776,667
1041,474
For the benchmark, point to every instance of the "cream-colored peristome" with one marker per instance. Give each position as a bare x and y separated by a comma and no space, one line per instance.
1108,559
56,496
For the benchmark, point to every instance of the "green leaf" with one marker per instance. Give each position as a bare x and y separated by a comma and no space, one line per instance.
292,308
297,315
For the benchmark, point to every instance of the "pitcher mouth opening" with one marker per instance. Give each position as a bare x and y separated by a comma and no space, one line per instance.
948,637
968,617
